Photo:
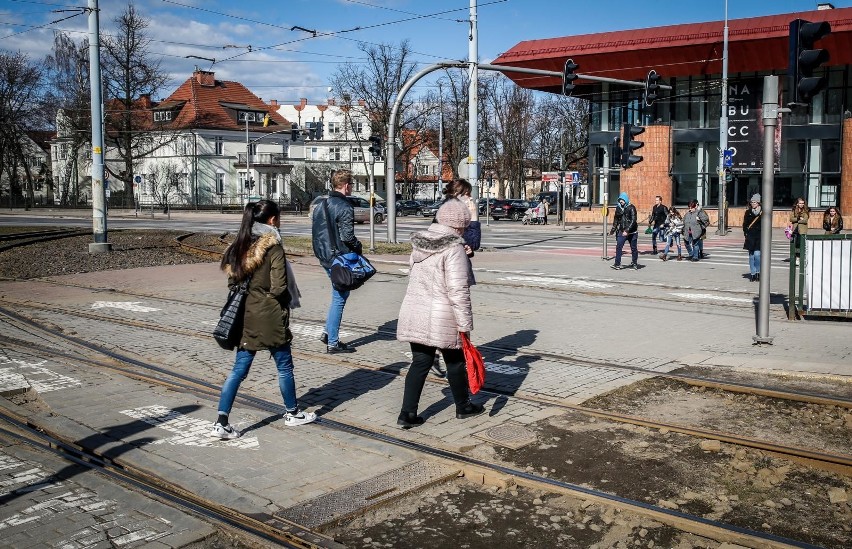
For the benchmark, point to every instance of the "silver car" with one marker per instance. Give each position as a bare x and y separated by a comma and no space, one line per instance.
362,210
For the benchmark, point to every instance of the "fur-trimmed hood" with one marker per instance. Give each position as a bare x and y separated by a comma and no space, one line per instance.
256,252
434,240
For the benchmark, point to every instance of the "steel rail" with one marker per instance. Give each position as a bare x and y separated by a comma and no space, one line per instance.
828,461
291,535
691,523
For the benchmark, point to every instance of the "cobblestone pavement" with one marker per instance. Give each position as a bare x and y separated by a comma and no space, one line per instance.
539,339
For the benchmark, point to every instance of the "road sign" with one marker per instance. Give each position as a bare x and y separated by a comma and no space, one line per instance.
549,177
575,178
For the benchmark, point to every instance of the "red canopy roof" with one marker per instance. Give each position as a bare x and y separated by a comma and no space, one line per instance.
754,44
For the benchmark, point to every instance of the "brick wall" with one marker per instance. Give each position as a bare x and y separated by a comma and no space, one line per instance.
846,172
650,177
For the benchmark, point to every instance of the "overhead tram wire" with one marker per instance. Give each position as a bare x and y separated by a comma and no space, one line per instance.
332,34
81,12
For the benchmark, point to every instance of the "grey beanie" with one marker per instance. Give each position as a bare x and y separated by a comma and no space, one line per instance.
755,198
453,213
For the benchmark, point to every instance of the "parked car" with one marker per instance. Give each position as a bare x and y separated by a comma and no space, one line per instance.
510,209
481,205
362,210
408,207
431,209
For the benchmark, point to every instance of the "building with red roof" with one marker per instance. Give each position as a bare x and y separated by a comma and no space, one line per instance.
682,135
210,142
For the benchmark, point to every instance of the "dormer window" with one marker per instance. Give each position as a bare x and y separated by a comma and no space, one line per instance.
162,116
250,116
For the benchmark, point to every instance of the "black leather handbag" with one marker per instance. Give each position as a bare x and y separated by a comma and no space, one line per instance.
230,326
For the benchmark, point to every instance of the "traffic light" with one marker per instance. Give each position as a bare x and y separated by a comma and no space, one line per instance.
804,59
652,88
629,146
318,131
376,146
294,132
568,76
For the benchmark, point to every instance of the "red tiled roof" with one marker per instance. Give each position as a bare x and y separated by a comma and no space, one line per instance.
754,44
203,107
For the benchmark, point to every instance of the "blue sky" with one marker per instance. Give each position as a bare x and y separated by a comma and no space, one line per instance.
287,64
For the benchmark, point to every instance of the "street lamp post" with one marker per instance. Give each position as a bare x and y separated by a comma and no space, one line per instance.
248,161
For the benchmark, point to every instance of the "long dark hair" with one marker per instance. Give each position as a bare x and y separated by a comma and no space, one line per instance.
254,212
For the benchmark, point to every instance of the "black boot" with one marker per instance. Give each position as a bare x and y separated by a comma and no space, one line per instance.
469,410
407,420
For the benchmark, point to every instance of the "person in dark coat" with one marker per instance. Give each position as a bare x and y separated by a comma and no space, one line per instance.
257,253
657,220
626,229
751,230
330,235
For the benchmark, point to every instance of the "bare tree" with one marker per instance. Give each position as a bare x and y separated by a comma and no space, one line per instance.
21,109
377,83
507,127
168,180
130,77
69,101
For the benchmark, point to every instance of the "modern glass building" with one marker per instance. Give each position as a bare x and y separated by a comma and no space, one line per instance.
681,152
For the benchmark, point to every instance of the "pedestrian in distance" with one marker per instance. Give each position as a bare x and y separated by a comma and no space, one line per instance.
656,220
545,208
341,217
751,231
695,224
832,221
798,223
673,230
257,253
626,229
436,309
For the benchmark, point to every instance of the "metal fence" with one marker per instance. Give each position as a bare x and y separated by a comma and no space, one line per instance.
821,276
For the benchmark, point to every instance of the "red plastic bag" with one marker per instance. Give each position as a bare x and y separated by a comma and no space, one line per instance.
475,364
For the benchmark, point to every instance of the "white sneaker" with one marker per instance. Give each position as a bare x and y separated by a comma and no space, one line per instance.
225,432
299,418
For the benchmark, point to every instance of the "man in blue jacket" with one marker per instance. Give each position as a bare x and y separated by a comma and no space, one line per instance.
341,221
626,229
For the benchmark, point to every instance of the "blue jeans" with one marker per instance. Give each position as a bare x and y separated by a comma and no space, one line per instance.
283,361
620,239
335,313
657,234
674,237
754,262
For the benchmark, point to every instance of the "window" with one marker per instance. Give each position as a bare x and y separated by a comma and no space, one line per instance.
242,178
272,185
334,128
162,116
253,149
219,146
424,170
334,153
357,127
357,154
244,116
312,153
220,183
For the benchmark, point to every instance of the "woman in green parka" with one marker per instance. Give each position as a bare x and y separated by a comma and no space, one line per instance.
257,253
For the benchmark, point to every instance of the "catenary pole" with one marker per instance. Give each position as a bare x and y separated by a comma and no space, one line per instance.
770,121
473,105
723,133
99,221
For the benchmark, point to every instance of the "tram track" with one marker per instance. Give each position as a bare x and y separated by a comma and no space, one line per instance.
268,527
688,522
828,461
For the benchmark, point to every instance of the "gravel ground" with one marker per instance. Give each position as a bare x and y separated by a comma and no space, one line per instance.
131,249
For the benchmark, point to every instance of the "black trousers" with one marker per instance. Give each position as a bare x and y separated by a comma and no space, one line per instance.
422,357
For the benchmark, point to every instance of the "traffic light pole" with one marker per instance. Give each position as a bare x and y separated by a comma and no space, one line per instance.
99,220
770,121
722,223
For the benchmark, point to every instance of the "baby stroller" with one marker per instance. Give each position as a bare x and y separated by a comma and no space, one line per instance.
531,217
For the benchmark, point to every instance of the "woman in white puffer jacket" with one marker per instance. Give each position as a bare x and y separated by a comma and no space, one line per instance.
436,308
